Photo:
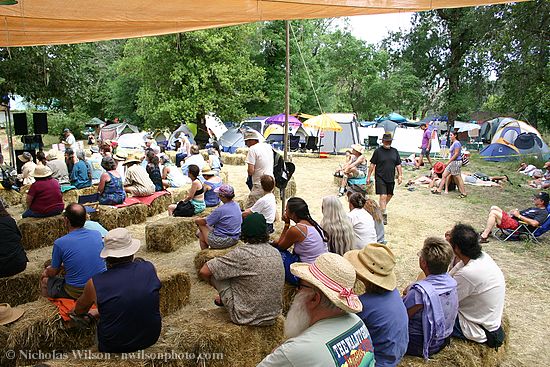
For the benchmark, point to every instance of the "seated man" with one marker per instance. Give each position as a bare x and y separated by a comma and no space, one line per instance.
250,278
126,295
480,287
77,253
534,217
136,180
432,303
321,325
383,311
265,205
221,229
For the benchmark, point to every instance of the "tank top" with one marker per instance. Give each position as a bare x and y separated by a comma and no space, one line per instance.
128,301
311,247
210,197
155,176
113,192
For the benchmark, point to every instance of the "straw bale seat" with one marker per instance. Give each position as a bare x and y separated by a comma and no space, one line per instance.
204,255
21,288
159,205
23,192
462,353
111,217
288,296
233,159
178,193
242,150
170,233
11,197
175,291
224,176
41,232
71,196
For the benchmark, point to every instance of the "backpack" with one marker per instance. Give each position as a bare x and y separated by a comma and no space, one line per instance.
282,171
8,178
184,209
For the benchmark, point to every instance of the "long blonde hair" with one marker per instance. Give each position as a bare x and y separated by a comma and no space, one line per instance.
337,226
372,207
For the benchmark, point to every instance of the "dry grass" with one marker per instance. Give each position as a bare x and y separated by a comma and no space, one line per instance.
71,196
159,205
170,233
11,197
242,150
41,232
233,159
204,255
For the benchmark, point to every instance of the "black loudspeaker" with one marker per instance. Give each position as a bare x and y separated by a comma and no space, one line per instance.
20,124
20,164
40,122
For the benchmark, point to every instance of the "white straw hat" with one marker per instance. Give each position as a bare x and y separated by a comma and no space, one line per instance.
119,243
42,172
9,314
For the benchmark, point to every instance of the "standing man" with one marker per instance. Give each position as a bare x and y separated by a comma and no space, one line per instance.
69,140
426,146
259,161
384,162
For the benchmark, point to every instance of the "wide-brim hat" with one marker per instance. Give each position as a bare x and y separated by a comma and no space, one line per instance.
358,148
375,263
120,156
387,137
9,314
439,167
119,243
334,276
252,135
42,172
132,159
206,170
25,157
51,155
94,149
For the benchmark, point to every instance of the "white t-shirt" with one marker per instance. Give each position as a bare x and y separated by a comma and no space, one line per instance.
481,288
363,226
196,159
261,156
266,206
328,342
71,141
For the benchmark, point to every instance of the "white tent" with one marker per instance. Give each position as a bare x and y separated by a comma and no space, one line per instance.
114,131
408,140
132,141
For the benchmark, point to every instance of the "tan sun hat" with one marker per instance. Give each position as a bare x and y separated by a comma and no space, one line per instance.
252,135
206,170
42,172
132,158
119,243
51,155
358,148
334,276
120,156
9,314
375,263
25,157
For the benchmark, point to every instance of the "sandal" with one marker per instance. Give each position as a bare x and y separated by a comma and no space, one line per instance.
218,302
462,196
435,192
483,239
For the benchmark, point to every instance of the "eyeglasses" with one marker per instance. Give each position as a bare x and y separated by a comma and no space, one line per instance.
301,286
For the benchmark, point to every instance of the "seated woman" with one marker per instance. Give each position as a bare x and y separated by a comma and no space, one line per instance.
25,177
432,303
13,259
356,168
362,222
153,170
214,157
340,171
81,175
195,194
211,183
110,188
307,237
433,179
172,175
41,158
337,226
44,198
195,158
373,209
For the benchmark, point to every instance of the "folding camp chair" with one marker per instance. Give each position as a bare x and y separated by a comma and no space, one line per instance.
311,144
523,232
90,202
371,142
294,142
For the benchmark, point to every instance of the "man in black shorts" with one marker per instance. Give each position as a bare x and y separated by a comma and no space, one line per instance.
385,160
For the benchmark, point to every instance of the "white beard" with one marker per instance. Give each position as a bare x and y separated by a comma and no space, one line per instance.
297,319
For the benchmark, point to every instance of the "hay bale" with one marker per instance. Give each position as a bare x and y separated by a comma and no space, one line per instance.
11,197
172,155
224,176
242,150
288,296
159,205
23,191
21,288
211,332
241,201
204,153
174,294
41,232
178,193
71,196
42,329
169,234
233,159
111,217
290,190
208,254
461,353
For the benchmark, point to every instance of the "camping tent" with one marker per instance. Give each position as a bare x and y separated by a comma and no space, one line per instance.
131,141
388,125
292,130
114,131
335,141
183,129
531,144
499,151
231,140
509,131
407,141
525,144
256,123
490,127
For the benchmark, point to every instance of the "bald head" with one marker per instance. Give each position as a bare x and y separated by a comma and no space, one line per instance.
76,215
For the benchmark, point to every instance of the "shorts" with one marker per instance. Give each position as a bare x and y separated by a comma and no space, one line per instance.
56,288
454,168
357,174
425,152
508,222
383,188
217,242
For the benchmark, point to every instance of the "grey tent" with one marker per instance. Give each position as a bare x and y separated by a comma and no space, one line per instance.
231,140
336,141
114,131
183,129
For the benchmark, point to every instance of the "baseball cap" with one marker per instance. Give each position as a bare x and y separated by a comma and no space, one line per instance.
225,190
543,196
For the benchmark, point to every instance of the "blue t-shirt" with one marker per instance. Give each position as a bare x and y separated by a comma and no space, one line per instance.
79,251
454,147
79,176
226,220
386,318
90,224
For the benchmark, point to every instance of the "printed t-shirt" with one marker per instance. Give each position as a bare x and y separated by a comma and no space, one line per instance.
256,278
78,251
261,156
385,160
226,220
47,196
538,214
266,206
481,289
336,341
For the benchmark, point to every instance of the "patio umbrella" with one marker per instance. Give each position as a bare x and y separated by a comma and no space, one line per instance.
387,125
280,120
323,122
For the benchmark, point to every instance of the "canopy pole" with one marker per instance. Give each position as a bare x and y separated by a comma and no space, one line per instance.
287,107
10,134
